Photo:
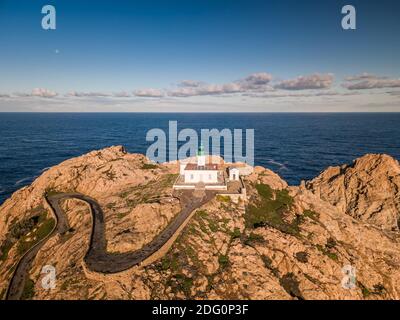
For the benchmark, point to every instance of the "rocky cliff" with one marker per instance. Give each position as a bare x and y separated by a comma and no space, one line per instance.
283,243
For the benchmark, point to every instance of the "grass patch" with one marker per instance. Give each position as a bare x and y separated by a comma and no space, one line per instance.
235,233
311,214
269,210
326,251
180,282
224,199
29,290
19,230
253,238
42,230
223,261
5,248
149,166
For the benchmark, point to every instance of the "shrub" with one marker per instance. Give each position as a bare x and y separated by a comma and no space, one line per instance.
223,260
270,210
291,285
302,256
148,166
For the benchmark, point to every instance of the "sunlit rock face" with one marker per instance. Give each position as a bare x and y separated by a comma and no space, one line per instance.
283,243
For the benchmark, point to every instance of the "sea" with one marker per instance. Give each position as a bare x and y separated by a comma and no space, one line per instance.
297,146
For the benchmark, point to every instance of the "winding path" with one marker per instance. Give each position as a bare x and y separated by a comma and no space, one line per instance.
97,258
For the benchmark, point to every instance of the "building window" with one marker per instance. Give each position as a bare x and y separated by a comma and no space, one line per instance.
191,177
209,177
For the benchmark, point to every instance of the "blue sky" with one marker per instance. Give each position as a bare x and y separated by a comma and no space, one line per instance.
101,49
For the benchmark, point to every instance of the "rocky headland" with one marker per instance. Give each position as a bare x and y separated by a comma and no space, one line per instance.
284,242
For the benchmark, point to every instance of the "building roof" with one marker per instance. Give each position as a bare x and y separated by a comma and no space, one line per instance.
209,166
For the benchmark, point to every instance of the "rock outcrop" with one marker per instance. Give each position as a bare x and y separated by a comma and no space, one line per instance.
368,189
284,243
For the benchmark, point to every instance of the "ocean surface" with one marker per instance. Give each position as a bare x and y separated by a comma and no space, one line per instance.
296,146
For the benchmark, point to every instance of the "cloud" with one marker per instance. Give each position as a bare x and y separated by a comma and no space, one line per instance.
37,92
364,76
45,93
368,81
122,94
87,94
190,83
149,92
254,82
313,81
205,90
306,94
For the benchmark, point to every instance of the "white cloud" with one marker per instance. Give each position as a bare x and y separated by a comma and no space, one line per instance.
369,81
364,76
45,93
313,81
190,83
149,92
87,94
254,82
122,94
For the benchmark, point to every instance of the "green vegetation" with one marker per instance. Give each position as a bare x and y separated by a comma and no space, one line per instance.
311,279
269,210
253,238
236,233
52,192
148,193
41,230
2,294
180,282
268,264
378,289
311,214
37,224
326,251
224,199
291,285
223,261
330,243
29,290
302,256
364,290
148,166
4,249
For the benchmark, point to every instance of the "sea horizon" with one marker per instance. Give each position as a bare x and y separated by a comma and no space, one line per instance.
297,146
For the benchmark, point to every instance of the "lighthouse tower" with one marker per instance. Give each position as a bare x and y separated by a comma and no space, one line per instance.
201,158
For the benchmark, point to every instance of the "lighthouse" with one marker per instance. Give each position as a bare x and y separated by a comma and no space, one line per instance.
201,158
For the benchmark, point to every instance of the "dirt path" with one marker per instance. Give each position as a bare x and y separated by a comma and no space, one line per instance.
97,258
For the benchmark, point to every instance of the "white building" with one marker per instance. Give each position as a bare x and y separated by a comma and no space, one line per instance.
234,174
200,172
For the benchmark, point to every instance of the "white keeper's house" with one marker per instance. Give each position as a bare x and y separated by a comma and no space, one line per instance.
203,174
